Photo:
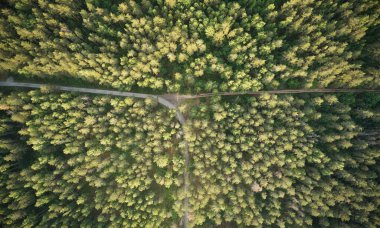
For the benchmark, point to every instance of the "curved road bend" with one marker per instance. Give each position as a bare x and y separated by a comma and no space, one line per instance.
160,99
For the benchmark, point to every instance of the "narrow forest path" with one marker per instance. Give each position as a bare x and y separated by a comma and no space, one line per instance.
172,101
178,97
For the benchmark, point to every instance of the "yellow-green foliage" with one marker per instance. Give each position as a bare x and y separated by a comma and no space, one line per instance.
214,45
92,160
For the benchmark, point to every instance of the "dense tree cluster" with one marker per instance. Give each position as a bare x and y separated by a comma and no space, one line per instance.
285,161
69,160
255,161
16,199
193,46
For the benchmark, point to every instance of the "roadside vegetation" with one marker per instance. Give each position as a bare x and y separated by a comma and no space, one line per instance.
285,160
69,160
194,46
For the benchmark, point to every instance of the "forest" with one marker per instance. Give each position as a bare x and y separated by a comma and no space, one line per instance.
73,159
279,161
194,46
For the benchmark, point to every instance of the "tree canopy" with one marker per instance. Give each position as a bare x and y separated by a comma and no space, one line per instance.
286,160
194,46
71,160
